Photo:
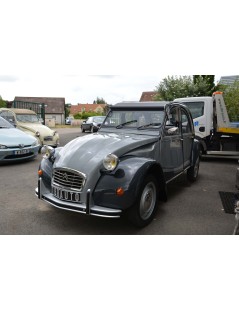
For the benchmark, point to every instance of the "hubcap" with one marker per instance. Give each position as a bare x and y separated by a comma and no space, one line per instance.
147,201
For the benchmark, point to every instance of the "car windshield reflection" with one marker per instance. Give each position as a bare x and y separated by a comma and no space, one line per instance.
27,118
145,119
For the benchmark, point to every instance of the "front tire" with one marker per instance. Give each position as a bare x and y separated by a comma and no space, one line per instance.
143,211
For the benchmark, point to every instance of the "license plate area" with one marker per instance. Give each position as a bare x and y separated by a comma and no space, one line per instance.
64,194
21,152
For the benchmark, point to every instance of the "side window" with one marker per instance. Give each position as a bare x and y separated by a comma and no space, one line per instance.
172,125
186,124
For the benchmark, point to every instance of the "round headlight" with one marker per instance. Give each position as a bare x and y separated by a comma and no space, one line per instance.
38,134
110,162
47,151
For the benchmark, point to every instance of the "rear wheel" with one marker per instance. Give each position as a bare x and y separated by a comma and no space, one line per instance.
143,211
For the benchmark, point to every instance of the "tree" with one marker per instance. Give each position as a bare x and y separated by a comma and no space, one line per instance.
3,103
184,86
99,101
231,97
175,87
205,84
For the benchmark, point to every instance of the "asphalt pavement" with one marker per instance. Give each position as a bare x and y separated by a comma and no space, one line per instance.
191,209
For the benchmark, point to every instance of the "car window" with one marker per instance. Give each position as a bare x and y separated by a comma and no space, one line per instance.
8,116
145,119
196,108
172,124
4,123
186,128
99,119
27,118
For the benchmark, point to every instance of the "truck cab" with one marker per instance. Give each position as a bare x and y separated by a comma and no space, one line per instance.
217,136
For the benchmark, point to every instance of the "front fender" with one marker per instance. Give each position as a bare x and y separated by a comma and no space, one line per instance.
128,176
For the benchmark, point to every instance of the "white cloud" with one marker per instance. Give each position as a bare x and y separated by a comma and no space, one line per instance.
78,88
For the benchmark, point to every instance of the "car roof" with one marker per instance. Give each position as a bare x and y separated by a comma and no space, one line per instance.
19,111
139,105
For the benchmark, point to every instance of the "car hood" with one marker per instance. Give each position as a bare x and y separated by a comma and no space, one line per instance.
14,137
87,152
34,127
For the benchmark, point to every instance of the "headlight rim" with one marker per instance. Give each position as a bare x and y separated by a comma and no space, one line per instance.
110,162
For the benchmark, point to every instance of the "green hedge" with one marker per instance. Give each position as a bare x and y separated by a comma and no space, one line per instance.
85,115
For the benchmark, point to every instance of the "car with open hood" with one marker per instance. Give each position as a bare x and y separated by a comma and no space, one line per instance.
15,145
125,167
28,121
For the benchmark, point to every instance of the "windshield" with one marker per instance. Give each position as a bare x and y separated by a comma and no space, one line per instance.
99,119
27,118
134,119
4,123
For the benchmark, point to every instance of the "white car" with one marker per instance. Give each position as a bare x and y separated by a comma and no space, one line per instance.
28,121
69,119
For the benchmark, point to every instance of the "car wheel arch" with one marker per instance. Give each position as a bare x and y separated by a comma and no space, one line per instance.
155,170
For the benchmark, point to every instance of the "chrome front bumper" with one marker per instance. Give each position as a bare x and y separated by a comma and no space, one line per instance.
85,208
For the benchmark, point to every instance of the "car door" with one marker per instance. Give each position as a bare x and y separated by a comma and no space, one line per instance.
187,136
171,151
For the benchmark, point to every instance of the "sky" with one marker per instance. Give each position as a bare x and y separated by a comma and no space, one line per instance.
77,88
81,50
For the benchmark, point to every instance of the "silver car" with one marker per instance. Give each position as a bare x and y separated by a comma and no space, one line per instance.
15,145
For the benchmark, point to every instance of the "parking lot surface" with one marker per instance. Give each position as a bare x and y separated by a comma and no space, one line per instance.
191,209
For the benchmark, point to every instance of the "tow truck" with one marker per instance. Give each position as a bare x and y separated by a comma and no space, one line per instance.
218,137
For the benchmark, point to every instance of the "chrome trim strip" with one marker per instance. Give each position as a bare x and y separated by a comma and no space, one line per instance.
176,176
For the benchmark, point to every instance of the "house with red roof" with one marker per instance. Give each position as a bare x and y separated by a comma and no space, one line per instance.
87,107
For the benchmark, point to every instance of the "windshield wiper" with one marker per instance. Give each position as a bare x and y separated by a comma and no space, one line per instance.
126,123
148,125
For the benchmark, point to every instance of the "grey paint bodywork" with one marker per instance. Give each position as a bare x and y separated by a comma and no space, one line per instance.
139,152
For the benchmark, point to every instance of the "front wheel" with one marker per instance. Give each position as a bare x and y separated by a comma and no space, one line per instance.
192,173
143,211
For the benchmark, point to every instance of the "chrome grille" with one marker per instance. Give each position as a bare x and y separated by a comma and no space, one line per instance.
69,179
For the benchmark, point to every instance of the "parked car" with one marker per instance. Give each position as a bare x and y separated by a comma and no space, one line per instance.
28,121
125,167
68,120
92,123
15,145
